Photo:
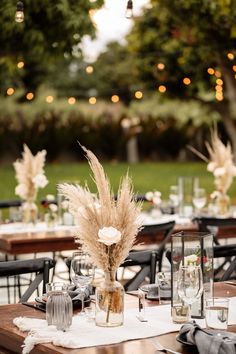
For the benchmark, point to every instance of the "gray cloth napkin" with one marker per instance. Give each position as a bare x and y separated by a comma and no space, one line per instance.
207,341
75,293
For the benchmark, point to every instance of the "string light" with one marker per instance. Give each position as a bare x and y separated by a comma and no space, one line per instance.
230,56
29,96
71,100
160,66
115,98
20,64
138,95
162,88
219,82
234,67
187,81
92,100
89,69
217,73
19,16
211,71
219,96
129,9
219,88
49,99
10,91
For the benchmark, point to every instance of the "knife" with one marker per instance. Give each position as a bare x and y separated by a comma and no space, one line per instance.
34,306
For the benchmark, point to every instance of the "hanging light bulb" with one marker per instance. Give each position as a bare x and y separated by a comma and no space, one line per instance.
129,9
19,16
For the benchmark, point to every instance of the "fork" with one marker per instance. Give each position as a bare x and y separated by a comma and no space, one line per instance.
160,347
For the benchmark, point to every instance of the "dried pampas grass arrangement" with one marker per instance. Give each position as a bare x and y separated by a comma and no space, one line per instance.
107,228
220,162
30,174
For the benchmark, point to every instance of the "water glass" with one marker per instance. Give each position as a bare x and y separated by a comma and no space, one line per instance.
180,313
216,311
164,287
199,198
59,310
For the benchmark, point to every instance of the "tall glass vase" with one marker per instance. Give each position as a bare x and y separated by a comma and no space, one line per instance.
109,302
29,212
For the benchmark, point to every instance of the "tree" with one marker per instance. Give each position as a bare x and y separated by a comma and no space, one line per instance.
193,40
51,31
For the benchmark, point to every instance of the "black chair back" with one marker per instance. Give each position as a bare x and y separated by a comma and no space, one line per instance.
160,233
40,266
147,261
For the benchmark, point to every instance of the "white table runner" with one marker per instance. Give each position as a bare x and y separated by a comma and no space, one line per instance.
86,334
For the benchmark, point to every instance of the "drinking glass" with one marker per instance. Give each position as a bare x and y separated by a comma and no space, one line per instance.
199,199
190,284
217,310
174,196
81,273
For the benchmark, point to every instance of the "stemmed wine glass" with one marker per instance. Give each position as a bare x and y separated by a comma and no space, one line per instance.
190,284
199,198
81,273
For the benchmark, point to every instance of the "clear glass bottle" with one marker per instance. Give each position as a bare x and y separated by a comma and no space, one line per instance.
109,302
59,309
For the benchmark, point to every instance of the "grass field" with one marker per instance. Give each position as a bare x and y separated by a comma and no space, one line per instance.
146,177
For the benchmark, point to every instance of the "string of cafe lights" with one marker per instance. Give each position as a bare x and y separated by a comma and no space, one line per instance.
219,95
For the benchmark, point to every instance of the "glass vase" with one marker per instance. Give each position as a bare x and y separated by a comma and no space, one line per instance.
109,302
223,205
192,249
29,212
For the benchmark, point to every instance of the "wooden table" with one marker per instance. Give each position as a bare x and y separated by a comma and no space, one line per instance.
53,240
11,338
63,240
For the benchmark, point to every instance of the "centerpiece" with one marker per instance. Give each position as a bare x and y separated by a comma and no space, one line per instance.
30,177
107,229
221,164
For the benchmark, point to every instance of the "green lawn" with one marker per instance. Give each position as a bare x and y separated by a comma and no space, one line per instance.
146,176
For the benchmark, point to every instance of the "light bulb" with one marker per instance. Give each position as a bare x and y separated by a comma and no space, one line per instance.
129,9
19,16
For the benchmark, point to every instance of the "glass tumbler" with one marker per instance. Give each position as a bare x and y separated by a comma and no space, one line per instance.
59,310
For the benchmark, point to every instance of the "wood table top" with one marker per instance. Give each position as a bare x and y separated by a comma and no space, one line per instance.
11,339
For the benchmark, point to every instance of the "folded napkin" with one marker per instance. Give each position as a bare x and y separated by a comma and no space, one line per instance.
75,293
207,342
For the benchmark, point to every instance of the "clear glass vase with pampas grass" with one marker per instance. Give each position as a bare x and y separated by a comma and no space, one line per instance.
30,177
107,230
221,164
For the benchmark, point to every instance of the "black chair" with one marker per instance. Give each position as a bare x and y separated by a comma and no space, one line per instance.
39,266
159,235
147,261
228,252
213,225
10,203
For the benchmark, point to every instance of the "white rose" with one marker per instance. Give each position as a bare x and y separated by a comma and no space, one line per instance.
21,190
53,208
157,194
149,196
211,166
40,181
50,197
109,235
233,169
219,171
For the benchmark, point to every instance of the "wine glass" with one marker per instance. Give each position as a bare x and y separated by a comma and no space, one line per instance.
81,273
199,199
190,284
174,196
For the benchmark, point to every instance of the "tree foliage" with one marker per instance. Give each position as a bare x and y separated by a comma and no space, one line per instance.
51,31
189,37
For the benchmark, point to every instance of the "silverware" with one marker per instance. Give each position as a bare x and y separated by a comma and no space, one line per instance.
141,318
160,347
34,306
